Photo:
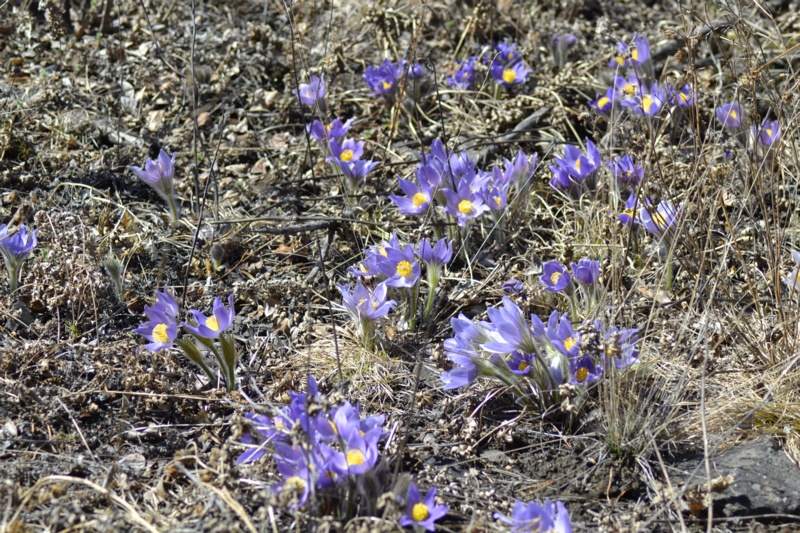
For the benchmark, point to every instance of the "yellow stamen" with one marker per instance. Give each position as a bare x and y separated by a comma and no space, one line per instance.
419,199
498,201
278,423
620,60
212,324
602,102
578,165
554,277
629,88
419,512
570,342
659,221
295,483
582,374
769,132
329,127
160,334
732,114
386,85
347,155
382,251
404,269
509,75
647,103
635,54
465,207
522,366
355,457
630,212
684,97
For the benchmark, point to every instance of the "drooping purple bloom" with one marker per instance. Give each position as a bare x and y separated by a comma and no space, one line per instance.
159,175
15,249
531,517
730,115
327,132
439,254
356,171
512,331
422,512
555,276
636,54
464,76
767,133
586,271
416,200
210,327
619,346
312,92
626,172
520,170
262,432
580,166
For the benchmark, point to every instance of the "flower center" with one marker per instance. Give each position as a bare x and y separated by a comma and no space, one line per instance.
602,102
386,85
569,342
355,457
419,199
659,221
347,155
160,334
732,114
647,103
635,54
419,512
295,482
582,374
769,132
212,324
684,97
523,366
404,269
329,127
620,60
465,207
629,89
509,75
578,165
382,251
554,277
498,200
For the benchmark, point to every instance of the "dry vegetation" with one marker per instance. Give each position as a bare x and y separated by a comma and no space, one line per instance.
98,435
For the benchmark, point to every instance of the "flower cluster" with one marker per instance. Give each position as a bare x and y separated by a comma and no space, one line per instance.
398,269
15,249
346,154
464,192
315,445
532,517
533,358
159,175
210,332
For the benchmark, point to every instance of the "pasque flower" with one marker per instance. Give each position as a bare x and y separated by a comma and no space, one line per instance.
604,102
327,132
14,249
465,204
730,115
381,80
767,133
626,172
464,76
422,512
555,276
508,75
159,175
658,221
416,200
791,280
210,327
160,329
400,267
364,304
312,92
635,54
586,271
534,518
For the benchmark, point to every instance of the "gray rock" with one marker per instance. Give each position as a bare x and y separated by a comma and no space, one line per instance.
765,481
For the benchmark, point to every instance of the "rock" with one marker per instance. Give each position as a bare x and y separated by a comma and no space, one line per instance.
765,481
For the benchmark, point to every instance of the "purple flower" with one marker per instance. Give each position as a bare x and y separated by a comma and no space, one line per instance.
496,196
210,327
312,92
520,170
659,221
160,330
416,200
356,171
604,102
159,175
636,54
362,452
382,80
513,286
630,214
422,512
15,249
348,151
296,477
510,74
400,267
531,517
682,98
464,76
619,345
507,54
439,254
512,331
562,334
166,304
649,103
586,272
555,276
363,304
333,131
264,431
466,371
520,363
561,179
626,172
767,133
464,204
730,115
627,90
416,71
579,166
583,370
